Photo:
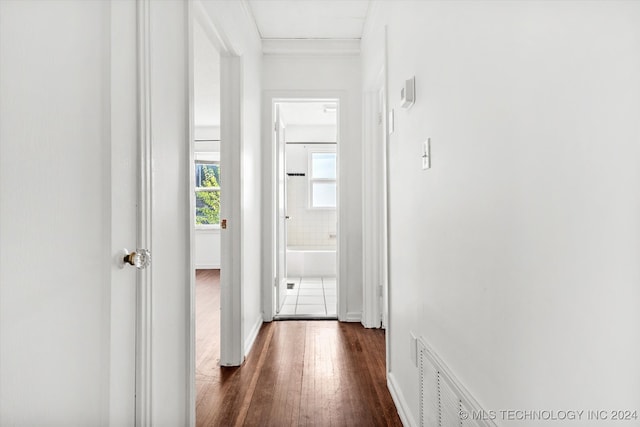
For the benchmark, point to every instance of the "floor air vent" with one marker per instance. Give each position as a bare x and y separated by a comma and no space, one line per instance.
443,401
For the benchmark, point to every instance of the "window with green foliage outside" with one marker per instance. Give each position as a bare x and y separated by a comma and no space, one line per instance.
207,193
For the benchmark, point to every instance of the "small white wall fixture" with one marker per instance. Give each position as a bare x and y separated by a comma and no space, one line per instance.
408,93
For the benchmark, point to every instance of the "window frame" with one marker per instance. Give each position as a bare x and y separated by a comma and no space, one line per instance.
313,180
197,190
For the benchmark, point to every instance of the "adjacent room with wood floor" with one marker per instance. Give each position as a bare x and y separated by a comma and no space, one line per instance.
298,373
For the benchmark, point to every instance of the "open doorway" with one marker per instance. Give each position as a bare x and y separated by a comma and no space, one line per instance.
206,208
306,136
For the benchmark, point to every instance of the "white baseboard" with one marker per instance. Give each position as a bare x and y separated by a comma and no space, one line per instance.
207,266
248,343
371,324
353,316
400,402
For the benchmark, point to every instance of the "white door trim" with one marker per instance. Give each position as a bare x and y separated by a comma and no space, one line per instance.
231,348
191,312
376,300
371,221
281,206
387,286
269,187
144,325
374,242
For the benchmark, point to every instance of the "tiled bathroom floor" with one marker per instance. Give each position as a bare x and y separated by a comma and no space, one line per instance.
311,296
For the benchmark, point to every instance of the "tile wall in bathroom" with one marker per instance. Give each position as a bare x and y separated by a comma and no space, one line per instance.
306,227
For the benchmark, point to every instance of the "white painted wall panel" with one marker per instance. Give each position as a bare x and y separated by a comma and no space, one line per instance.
516,255
207,253
124,146
55,224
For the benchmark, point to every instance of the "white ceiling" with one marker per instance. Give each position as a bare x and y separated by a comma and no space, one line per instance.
278,19
206,80
308,113
310,19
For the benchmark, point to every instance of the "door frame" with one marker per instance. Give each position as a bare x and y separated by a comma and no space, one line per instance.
279,132
374,215
231,122
143,381
269,191
376,94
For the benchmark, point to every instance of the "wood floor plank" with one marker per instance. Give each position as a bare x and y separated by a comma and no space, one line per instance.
299,373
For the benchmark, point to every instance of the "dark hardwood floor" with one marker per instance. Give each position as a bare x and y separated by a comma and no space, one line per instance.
299,373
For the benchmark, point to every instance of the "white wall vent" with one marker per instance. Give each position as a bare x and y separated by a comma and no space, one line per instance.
444,402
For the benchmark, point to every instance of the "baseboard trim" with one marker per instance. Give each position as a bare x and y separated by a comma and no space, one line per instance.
354,316
367,323
400,402
253,335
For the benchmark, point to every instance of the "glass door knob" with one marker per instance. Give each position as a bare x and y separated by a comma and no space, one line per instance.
140,259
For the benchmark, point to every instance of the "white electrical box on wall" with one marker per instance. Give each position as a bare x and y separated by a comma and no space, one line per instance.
408,93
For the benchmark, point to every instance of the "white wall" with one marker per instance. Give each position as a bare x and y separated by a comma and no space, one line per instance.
333,73
207,253
311,133
241,33
206,135
516,255
206,80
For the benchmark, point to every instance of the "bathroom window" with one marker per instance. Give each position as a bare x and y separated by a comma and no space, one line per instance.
322,180
207,192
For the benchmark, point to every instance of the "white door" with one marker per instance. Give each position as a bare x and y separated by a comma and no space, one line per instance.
281,226
67,204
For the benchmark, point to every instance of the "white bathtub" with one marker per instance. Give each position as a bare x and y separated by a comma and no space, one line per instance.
308,261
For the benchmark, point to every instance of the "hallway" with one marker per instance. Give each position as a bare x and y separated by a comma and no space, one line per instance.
298,373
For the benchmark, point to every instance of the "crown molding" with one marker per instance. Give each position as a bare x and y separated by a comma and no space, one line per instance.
248,11
372,15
